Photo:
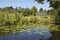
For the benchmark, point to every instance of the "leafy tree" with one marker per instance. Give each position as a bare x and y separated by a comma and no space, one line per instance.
20,10
40,1
34,10
55,4
41,10
57,19
27,12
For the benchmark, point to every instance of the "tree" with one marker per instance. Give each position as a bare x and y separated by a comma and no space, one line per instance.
57,19
20,10
27,12
41,10
40,1
8,8
34,10
55,4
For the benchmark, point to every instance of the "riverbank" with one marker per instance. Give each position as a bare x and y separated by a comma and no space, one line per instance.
24,23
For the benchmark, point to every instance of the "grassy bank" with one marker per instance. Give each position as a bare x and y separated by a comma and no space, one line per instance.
18,22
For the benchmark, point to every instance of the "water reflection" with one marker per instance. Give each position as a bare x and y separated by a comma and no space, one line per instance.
33,34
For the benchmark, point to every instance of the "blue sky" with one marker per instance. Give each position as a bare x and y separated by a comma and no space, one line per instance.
23,3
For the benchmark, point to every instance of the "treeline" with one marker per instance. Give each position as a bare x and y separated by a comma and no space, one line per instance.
25,11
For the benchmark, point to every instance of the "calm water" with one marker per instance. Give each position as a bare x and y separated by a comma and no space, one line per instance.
41,33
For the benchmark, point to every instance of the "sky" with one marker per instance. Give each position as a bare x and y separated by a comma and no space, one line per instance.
23,4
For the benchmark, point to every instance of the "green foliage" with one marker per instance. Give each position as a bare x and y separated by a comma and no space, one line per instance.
13,20
40,1
57,19
55,4
41,10
27,12
34,10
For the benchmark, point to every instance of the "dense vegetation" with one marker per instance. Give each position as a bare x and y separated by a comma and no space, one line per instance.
13,19
55,11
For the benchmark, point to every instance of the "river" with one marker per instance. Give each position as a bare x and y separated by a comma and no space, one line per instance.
41,33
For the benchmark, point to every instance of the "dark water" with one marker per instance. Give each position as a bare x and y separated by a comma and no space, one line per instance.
33,34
